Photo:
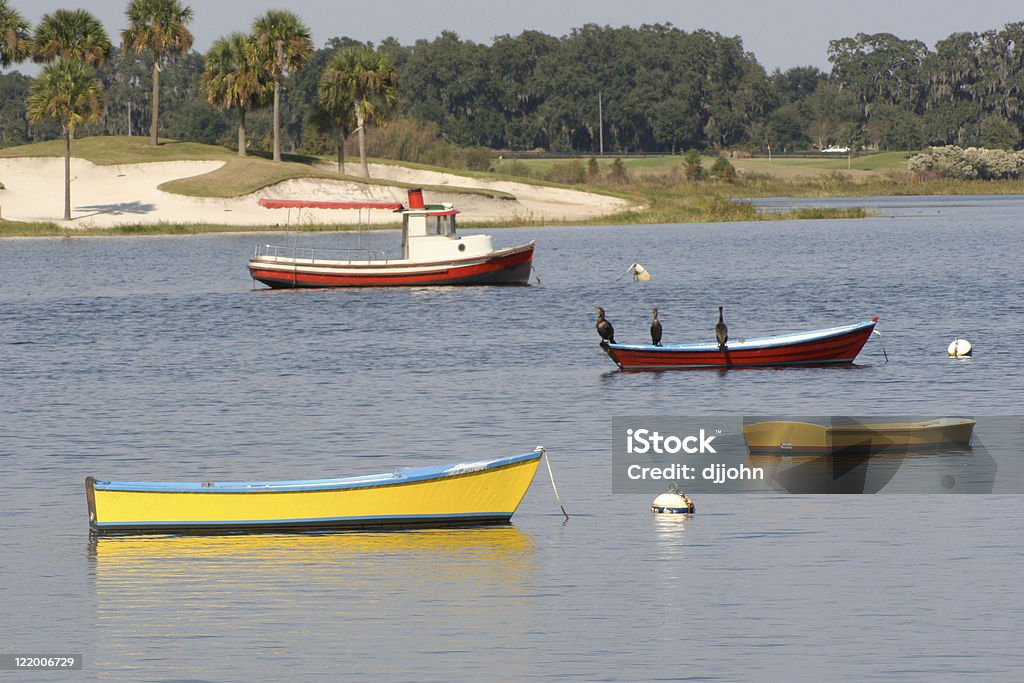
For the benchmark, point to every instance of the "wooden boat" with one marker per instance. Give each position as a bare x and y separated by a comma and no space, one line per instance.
469,493
432,254
857,439
818,347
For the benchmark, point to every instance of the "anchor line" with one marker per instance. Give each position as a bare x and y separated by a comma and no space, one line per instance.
547,460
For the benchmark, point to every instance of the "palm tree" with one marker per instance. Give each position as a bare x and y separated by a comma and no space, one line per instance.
283,46
15,36
72,35
69,92
158,26
371,84
233,79
333,113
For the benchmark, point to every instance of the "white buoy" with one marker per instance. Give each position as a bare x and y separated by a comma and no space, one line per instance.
673,502
959,348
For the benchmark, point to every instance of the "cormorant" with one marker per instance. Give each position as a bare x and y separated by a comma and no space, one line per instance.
656,329
604,327
721,330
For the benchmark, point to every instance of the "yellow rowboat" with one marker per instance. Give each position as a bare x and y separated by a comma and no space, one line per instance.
857,439
482,492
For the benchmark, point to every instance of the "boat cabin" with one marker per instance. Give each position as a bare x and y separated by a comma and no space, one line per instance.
429,233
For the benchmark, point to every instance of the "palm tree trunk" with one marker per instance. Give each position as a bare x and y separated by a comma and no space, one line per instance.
241,132
362,144
155,122
67,174
277,120
277,101
341,153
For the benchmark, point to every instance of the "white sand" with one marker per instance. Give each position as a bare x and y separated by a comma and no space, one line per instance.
106,196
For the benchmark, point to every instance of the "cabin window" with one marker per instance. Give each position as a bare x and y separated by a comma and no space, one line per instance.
441,225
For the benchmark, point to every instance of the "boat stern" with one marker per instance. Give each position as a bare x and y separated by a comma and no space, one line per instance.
90,500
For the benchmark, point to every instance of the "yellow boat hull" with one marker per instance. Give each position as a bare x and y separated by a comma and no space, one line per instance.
473,493
809,438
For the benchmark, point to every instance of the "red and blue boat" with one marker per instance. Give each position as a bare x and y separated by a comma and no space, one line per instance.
433,253
834,345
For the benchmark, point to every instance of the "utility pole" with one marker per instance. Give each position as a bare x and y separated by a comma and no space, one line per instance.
600,121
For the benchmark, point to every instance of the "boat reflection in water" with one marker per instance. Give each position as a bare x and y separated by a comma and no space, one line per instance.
276,557
349,594
863,455
919,470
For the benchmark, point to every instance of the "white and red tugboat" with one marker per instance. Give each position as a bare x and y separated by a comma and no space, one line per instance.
432,254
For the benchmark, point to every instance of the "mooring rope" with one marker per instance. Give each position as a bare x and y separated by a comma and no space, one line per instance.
882,343
547,459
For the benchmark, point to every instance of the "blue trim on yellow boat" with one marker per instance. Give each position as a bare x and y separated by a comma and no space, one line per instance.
311,521
406,475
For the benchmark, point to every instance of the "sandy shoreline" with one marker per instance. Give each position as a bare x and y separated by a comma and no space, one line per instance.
127,194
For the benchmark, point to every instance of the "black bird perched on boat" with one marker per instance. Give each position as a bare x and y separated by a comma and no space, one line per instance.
604,327
656,329
721,330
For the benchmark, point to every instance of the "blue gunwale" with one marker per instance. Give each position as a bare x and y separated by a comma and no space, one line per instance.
407,475
758,343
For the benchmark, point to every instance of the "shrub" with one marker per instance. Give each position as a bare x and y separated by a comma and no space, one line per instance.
967,164
478,158
617,174
571,173
694,169
723,169
517,167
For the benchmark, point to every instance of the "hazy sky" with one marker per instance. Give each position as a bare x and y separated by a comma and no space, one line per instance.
781,33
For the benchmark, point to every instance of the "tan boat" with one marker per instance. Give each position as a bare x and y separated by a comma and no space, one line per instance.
857,439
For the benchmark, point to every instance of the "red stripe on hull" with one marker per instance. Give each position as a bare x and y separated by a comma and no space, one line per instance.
508,269
842,348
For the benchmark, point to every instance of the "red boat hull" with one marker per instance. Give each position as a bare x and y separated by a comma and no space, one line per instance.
821,348
506,267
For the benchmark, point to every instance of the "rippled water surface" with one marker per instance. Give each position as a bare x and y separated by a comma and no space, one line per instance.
154,358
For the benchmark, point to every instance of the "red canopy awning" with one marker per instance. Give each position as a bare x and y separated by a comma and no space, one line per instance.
310,204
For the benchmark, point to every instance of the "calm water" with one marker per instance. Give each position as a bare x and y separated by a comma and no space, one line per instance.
155,358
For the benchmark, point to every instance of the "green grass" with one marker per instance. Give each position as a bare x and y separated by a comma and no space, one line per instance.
883,161
242,176
109,151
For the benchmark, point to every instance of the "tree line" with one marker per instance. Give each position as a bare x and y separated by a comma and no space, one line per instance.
652,89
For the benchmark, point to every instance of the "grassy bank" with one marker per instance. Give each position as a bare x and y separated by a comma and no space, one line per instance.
656,186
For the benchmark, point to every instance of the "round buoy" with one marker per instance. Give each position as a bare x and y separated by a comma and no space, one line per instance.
673,502
959,348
